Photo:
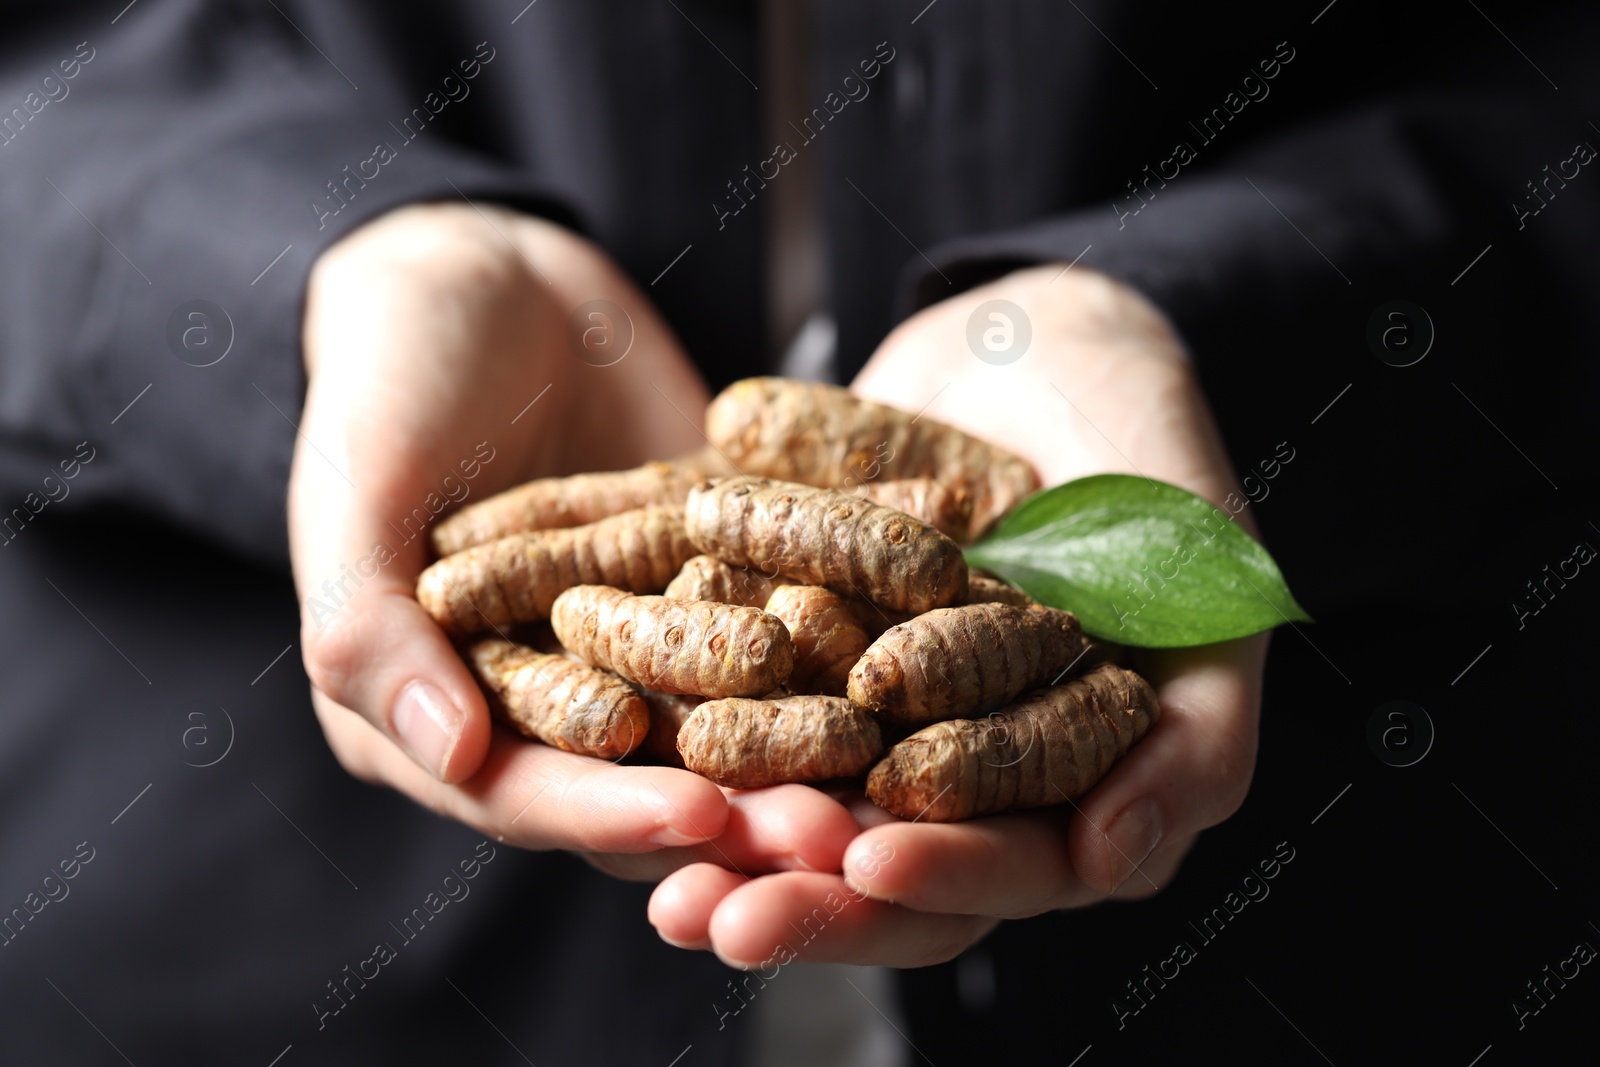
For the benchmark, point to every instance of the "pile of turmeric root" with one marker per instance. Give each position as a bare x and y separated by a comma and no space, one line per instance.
740,613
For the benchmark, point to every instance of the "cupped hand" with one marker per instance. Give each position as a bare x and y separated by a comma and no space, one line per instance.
441,368
1104,385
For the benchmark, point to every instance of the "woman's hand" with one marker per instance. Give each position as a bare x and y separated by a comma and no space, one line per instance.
1104,386
441,368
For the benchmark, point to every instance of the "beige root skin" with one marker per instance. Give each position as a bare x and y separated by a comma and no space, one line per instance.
827,538
675,646
947,510
751,744
964,661
517,578
560,503
708,578
559,701
823,435
827,638
982,589
1047,748
668,713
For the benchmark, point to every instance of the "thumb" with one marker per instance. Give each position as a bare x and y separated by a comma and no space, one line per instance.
357,548
1191,772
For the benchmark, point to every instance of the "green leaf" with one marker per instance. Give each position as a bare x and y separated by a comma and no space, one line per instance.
1140,562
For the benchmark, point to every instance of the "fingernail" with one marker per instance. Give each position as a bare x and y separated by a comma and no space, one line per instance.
672,837
428,724
1134,835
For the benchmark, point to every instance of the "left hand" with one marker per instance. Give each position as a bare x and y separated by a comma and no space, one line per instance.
1104,386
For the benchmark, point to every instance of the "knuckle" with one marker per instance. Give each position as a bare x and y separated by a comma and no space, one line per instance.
1235,767
334,652
355,756
541,816
1157,873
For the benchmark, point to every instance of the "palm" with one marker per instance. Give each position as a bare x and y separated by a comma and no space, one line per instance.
437,337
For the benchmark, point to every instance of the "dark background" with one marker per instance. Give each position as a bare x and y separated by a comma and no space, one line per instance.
1418,504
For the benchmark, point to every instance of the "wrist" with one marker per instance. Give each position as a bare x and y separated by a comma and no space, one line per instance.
1085,304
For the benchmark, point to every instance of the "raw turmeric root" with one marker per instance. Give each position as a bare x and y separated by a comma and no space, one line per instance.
947,510
675,646
668,713
517,578
708,578
982,589
1049,747
963,662
556,503
559,701
823,435
750,744
559,503
827,538
827,638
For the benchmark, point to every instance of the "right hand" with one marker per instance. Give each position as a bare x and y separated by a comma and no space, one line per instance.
949,883
427,333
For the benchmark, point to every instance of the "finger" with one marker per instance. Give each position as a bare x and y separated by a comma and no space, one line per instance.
1011,866
1158,871
366,642
817,917
784,828
387,661
866,814
681,906
537,797
1191,771
794,825
1006,865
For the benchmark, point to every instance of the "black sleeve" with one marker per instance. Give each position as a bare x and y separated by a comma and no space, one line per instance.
1382,181
189,152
